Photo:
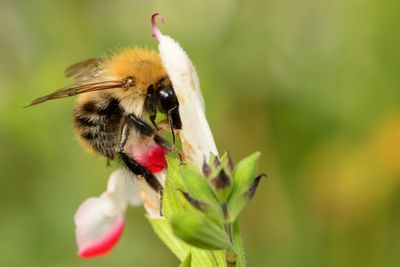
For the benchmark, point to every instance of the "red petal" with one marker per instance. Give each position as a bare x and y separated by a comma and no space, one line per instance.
105,244
154,159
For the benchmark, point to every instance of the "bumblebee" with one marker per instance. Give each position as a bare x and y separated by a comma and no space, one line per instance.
118,94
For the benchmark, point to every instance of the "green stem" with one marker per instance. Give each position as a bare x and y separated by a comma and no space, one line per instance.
230,254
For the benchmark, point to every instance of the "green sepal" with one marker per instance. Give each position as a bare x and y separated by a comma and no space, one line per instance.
244,185
173,199
200,231
227,162
222,185
198,188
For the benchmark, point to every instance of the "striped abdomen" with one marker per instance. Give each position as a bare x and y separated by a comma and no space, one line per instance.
97,122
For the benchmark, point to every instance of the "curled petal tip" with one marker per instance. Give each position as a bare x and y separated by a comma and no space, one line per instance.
156,32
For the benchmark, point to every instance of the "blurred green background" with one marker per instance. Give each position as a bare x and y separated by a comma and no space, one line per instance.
313,85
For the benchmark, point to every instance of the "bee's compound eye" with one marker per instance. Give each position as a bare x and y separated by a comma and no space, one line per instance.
129,82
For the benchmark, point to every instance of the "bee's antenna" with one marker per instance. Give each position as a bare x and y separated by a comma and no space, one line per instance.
156,32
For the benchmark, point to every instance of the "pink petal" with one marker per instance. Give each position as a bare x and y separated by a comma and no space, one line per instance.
154,159
156,32
149,154
96,233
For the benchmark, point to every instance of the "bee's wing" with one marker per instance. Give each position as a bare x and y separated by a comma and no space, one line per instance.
85,75
85,70
78,89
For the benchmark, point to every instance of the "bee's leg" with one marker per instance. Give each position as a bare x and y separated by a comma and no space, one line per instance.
167,145
140,125
153,121
145,129
149,177
153,114
161,195
164,126
170,121
151,106
123,137
139,170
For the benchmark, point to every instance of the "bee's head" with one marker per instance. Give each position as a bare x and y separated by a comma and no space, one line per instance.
145,79
167,103
162,98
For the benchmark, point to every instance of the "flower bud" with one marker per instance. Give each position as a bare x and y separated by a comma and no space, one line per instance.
222,185
219,172
201,196
245,185
199,231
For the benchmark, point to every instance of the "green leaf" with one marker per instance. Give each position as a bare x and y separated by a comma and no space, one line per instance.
198,230
187,262
244,176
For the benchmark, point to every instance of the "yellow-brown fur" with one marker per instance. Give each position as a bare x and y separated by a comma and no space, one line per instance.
109,89
144,66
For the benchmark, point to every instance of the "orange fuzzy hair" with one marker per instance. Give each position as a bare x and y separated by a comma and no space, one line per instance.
141,64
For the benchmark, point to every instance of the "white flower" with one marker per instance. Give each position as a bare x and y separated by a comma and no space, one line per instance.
196,137
99,221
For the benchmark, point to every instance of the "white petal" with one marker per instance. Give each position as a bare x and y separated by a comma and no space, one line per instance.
124,188
100,220
161,176
197,140
151,200
133,191
96,233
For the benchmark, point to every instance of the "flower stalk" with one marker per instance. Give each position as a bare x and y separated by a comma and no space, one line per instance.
203,197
